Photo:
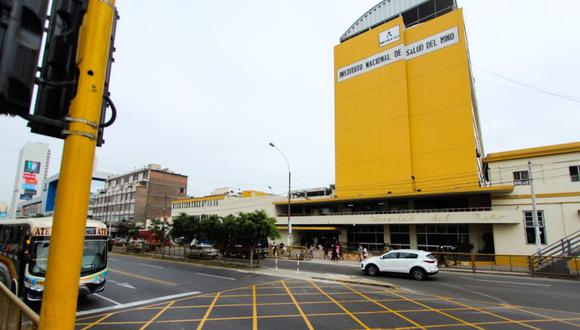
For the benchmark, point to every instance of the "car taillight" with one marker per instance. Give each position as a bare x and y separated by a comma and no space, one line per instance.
429,261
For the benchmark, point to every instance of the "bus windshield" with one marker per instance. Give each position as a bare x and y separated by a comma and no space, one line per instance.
94,257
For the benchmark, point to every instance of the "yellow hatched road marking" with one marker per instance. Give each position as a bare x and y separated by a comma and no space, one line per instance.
205,316
435,310
97,321
298,306
490,313
156,316
497,322
541,315
340,305
144,278
254,309
385,307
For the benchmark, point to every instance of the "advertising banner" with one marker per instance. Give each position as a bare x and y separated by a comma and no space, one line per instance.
31,181
31,166
29,176
28,186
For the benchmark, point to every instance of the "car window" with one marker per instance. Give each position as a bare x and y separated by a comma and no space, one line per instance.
430,256
390,255
411,256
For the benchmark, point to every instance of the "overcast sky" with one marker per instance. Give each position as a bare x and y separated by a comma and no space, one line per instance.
202,87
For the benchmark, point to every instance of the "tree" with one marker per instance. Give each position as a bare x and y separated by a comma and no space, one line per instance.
127,229
186,226
254,228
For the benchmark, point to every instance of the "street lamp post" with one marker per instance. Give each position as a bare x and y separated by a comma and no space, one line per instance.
289,242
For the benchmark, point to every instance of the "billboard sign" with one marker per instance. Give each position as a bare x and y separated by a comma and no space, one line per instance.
28,186
31,181
29,176
25,197
31,166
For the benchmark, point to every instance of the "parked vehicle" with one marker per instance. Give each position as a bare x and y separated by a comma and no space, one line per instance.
180,241
418,264
204,251
241,251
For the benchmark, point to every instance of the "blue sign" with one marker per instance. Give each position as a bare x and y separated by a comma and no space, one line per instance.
3,215
28,186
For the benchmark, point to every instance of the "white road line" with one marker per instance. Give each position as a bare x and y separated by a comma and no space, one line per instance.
517,283
107,299
153,266
137,303
224,277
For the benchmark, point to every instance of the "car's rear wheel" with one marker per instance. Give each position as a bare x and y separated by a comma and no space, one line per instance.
418,274
372,270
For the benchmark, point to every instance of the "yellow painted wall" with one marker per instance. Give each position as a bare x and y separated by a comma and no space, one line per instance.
413,117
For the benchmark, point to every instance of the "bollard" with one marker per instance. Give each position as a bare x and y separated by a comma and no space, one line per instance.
276,259
298,265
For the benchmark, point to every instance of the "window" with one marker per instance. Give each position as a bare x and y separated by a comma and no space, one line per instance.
431,237
521,178
530,230
126,179
145,175
575,173
371,236
400,238
181,190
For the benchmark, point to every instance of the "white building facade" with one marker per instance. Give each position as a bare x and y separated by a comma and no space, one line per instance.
31,173
556,178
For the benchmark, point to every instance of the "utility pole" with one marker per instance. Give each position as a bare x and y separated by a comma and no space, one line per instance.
534,211
289,241
70,216
163,227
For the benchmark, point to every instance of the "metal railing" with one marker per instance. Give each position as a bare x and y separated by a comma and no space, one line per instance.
14,314
558,266
552,257
411,211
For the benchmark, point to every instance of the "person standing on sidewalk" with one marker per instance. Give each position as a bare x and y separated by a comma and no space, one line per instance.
365,253
333,253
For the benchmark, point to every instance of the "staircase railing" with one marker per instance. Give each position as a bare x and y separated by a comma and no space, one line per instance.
551,254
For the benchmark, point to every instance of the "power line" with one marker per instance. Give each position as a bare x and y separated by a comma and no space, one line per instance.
566,97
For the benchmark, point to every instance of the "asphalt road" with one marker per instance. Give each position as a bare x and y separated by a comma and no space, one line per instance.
556,294
145,293
136,280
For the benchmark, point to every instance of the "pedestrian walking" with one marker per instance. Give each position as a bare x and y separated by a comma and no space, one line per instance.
360,252
441,255
365,253
334,253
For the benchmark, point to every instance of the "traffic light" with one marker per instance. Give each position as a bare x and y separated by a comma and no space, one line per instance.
21,30
59,72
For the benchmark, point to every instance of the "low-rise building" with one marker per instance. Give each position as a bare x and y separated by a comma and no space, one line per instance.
139,195
555,175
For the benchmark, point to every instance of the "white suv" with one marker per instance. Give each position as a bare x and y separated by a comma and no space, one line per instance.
419,264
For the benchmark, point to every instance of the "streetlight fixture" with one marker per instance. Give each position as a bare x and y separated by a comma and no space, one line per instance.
289,242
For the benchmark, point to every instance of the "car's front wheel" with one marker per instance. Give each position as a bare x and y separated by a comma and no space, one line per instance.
418,273
372,270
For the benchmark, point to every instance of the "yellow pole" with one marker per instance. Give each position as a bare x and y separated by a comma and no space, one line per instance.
66,245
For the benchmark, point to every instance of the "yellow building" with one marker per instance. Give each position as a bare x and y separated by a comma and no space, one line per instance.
405,116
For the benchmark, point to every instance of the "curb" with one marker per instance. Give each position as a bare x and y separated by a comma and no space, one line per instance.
357,280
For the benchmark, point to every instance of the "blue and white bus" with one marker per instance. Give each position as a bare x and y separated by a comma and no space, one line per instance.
24,245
